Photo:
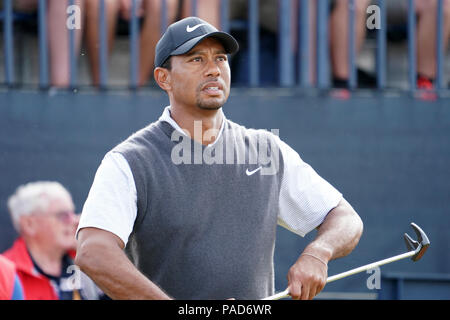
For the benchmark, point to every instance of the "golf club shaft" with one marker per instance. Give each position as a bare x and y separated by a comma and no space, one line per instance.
285,293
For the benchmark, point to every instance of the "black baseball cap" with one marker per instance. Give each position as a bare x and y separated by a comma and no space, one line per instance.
183,35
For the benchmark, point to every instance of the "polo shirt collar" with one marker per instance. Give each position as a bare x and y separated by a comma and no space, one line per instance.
168,118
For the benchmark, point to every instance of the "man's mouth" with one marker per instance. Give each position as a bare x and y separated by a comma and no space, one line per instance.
212,88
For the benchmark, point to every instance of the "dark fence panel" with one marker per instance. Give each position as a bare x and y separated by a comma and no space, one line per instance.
389,157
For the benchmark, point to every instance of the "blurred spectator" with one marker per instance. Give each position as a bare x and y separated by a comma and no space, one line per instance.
43,215
339,37
426,34
268,19
150,10
10,286
427,38
58,36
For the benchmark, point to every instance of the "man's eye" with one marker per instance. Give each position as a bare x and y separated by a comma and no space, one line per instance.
222,58
197,59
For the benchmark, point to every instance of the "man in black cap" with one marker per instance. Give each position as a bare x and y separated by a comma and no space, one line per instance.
187,207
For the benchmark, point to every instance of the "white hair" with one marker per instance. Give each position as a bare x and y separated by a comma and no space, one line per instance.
34,197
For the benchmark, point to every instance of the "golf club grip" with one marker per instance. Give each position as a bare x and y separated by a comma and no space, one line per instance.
285,293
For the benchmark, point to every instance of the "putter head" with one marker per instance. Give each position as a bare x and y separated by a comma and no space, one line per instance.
419,246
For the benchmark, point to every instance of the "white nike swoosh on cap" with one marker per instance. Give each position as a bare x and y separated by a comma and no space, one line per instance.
189,29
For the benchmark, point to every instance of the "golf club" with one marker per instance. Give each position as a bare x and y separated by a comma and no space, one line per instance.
416,251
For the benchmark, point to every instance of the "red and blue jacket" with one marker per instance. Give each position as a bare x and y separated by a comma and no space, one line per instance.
7,274
35,285
10,286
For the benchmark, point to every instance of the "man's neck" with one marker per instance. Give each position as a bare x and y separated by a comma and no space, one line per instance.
202,125
48,260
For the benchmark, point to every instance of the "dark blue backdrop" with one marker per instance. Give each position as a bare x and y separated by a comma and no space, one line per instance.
389,156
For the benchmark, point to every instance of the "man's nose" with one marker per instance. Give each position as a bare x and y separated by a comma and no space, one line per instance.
212,68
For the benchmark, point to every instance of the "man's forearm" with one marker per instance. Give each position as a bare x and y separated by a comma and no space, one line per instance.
113,272
338,235
123,282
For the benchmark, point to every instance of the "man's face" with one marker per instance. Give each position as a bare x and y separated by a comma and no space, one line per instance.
201,77
56,227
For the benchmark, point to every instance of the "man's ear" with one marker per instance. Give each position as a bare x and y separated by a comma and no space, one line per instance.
27,225
162,78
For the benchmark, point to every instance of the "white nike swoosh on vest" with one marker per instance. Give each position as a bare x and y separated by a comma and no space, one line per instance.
249,173
189,29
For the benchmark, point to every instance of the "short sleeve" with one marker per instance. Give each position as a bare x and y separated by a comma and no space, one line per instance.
305,197
111,204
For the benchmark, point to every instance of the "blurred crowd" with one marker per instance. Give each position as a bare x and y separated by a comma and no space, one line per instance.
149,13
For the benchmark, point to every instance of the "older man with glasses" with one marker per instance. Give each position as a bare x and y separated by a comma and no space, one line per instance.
43,215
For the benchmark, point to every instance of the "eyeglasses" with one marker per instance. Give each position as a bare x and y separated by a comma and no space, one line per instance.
65,216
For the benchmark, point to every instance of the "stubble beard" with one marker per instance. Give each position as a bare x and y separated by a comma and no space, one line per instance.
211,103
209,106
